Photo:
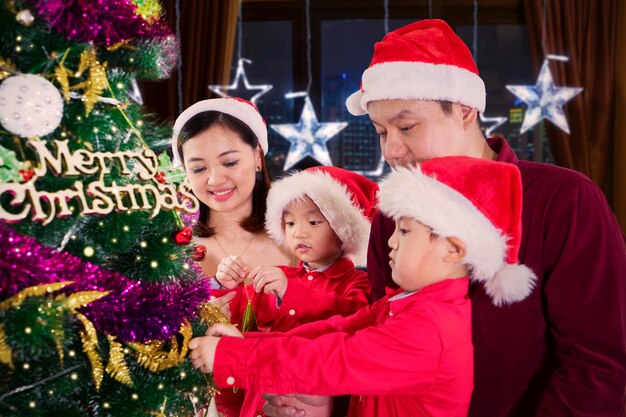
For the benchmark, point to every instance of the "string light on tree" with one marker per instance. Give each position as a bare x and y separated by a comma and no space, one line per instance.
308,137
544,99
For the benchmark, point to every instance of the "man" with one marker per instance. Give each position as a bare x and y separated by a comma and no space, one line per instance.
560,352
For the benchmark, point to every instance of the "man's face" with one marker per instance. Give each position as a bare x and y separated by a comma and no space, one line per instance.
413,131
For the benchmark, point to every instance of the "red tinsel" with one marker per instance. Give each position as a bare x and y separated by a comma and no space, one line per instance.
103,22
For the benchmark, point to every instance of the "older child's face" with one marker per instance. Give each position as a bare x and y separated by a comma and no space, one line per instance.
221,169
416,256
309,235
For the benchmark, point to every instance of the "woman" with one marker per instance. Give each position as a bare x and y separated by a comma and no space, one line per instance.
221,144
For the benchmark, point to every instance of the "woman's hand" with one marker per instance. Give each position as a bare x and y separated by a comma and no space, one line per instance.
231,272
223,302
270,280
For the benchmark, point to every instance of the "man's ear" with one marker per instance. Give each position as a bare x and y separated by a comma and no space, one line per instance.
470,115
456,249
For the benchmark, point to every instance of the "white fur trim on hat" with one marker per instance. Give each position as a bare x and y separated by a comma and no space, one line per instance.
418,81
334,201
410,193
246,112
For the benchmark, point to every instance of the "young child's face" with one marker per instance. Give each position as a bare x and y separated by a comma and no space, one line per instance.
309,235
416,255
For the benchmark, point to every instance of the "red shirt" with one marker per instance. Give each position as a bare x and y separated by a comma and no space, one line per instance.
561,351
404,356
311,295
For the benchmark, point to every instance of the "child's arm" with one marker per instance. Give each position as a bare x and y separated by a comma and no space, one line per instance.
305,304
401,356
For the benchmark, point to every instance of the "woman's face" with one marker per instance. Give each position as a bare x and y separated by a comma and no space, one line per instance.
221,169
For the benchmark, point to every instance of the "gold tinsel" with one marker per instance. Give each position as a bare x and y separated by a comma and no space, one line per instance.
153,355
81,298
36,290
62,75
89,338
210,314
149,10
6,65
6,356
117,367
96,81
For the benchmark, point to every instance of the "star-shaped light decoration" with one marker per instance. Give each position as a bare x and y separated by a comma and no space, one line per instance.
308,137
544,99
240,74
497,122
376,172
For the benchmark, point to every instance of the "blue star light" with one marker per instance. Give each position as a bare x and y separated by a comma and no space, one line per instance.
308,137
497,122
544,99
240,74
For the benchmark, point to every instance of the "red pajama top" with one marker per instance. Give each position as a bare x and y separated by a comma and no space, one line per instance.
408,355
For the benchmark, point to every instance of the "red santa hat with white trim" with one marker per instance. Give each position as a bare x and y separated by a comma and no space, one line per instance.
425,60
346,199
478,201
236,107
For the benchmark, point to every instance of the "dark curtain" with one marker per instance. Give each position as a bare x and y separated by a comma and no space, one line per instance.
586,32
619,159
207,40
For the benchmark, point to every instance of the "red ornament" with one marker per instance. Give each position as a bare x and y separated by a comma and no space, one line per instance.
160,177
198,253
26,174
184,236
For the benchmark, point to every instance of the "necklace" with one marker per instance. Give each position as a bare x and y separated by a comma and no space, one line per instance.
242,253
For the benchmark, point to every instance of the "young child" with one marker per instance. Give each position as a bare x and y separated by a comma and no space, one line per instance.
409,354
322,215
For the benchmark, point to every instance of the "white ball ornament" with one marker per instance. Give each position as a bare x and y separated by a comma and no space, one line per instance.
30,105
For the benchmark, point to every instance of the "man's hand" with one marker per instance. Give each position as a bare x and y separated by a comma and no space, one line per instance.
297,405
231,272
270,280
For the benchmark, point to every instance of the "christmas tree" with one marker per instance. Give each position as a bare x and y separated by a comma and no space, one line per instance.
98,295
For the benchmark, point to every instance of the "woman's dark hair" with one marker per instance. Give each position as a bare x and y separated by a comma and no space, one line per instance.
201,122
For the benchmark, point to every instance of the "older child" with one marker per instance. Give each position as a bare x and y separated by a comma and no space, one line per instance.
322,216
409,354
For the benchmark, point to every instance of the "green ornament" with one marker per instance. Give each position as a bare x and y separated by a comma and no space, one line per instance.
9,166
175,175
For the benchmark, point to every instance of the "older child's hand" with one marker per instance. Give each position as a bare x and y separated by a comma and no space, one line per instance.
203,352
223,302
270,280
231,271
224,330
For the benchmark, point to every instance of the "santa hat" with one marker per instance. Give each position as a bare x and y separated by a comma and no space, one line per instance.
478,201
425,60
346,199
237,107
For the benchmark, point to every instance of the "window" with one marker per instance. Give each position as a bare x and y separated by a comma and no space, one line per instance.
342,39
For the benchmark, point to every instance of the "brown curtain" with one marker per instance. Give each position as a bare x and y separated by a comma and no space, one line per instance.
619,158
586,32
207,42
